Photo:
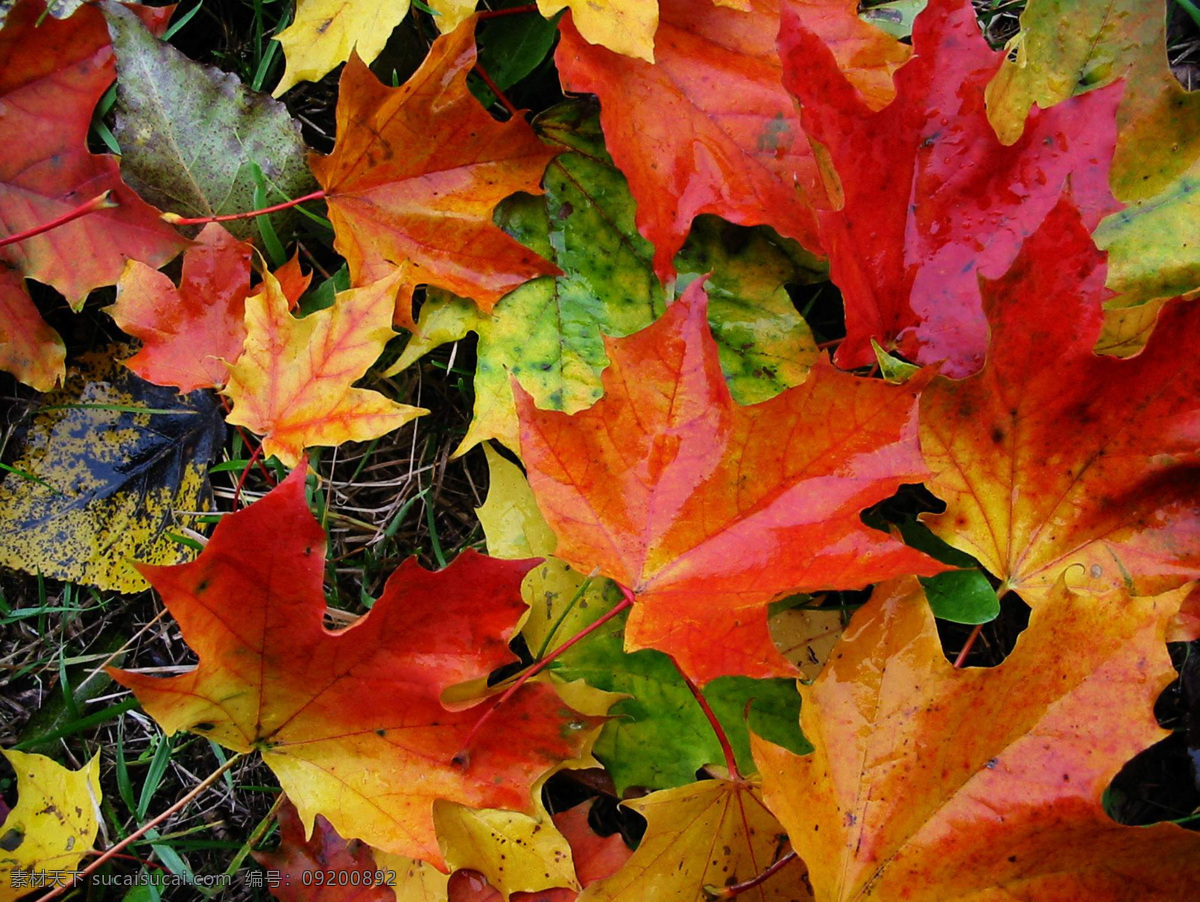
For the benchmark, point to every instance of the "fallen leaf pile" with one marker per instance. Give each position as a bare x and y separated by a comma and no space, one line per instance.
767,275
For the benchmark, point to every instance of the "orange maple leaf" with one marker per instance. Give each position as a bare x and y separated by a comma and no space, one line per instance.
1053,459
188,333
52,73
351,721
293,382
416,173
932,784
707,510
29,348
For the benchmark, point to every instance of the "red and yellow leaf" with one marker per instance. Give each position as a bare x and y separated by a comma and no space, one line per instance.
933,784
708,128
706,510
352,721
52,73
929,197
191,334
415,175
293,383
1055,461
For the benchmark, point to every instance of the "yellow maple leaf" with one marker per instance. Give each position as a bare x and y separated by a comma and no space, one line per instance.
325,32
53,824
700,838
293,382
623,26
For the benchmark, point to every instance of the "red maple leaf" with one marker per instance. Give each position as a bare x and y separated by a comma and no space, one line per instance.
52,74
352,721
932,199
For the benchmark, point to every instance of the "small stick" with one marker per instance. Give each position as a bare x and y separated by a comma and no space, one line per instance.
237,492
141,831
495,89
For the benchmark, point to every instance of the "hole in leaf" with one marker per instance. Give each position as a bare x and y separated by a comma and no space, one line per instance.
1156,785
996,639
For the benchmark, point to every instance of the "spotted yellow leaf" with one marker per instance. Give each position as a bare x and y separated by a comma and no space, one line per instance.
52,826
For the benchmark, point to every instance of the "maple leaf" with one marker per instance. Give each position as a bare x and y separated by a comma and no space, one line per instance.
293,382
657,735
548,332
1186,625
293,280
326,33
624,27
192,333
930,199
714,833
189,333
706,510
352,722
52,73
1053,459
931,783
372,876
708,128
415,174
594,858
516,852
1122,39
805,636
53,824
1156,165
29,348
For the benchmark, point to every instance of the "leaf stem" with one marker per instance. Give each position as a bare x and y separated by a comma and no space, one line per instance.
737,889
462,758
495,89
241,483
141,831
249,443
176,219
726,748
967,646
99,202
579,593
511,11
